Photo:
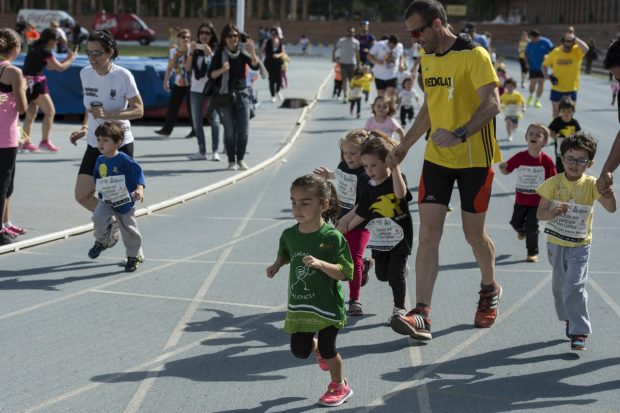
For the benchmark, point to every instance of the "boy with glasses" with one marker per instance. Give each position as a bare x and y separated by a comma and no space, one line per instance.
566,203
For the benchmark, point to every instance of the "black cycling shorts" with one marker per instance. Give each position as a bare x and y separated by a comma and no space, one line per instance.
474,184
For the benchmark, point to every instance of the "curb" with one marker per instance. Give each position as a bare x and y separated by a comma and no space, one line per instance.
181,199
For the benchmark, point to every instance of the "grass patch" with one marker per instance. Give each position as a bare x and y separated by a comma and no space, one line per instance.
143,51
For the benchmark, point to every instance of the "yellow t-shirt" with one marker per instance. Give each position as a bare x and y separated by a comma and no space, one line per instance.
450,83
512,103
366,82
566,67
522,44
574,228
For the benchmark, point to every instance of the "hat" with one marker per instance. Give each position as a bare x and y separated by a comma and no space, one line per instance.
469,28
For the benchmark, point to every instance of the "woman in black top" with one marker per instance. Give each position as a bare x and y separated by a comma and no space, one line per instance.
40,57
273,49
228,70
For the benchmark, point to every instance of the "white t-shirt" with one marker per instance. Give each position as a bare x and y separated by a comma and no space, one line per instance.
391,57
112,90
198,85
407,97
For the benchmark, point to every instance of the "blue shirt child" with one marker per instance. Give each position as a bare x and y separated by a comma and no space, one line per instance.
119,165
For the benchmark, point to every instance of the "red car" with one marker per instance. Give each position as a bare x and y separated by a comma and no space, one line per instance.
124,26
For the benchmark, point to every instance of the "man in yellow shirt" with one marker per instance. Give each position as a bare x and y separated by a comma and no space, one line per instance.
461,103
565,62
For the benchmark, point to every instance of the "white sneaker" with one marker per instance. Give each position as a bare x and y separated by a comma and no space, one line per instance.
232,166
280,96
396,311
273,99
243,166
216,156
509,138
197,157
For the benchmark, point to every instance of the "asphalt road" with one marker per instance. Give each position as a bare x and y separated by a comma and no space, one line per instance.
198,328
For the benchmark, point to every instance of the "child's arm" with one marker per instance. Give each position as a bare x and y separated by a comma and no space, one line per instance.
354,222
332,270
324,172
400,187
609,200
343,222
544,211
503,168
400,132
275,267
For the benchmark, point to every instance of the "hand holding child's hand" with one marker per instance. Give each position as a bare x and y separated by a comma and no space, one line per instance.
604,184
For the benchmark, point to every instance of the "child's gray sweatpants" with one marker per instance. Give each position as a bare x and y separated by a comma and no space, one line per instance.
127,223
570,274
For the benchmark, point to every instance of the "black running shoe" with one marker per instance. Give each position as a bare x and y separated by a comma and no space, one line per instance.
95,251
132,263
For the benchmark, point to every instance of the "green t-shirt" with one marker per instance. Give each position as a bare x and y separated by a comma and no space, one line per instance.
315,300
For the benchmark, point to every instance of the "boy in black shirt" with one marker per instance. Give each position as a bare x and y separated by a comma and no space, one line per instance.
562,127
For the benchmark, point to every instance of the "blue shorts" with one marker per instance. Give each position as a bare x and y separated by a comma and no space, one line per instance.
557,96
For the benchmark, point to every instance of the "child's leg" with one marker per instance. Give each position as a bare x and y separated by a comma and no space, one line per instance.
574,290
327,348
410,113
366,94
396,267
129,233
403,116
358,102
357,239
101,219
517,221
508,126
351,106
302,344
531,231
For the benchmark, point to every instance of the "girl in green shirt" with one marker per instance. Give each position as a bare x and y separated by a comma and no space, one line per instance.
319,257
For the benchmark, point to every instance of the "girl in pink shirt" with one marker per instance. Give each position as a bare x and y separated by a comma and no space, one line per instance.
12,103
383,119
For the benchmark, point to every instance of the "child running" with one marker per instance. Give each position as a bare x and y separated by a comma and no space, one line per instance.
367,79
119,183
513,104
383,205
382,119
533,167
566,203
406,96
562,127
350,181
319,257
355,92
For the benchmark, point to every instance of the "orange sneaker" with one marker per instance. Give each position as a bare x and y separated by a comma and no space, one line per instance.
488,307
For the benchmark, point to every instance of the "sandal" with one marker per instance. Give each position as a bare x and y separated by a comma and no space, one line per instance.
355,308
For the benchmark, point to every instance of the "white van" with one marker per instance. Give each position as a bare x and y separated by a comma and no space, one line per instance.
41,18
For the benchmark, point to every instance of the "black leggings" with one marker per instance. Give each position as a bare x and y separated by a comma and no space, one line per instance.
178,94
8,156
275,77
524,220
301,343
391,266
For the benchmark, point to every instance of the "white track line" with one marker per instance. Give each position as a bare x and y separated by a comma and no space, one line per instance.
165,297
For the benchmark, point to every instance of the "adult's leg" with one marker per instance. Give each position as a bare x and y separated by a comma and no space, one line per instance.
172,112
540,82
555,109
481,244
242,124
196,106
230,143
214,120
44,101
85,191
432,218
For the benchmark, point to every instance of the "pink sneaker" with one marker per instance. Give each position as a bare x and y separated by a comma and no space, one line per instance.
319,359
48,146
28,147
16,229
336,394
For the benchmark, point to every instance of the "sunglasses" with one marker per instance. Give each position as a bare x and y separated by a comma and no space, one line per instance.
233,35
416,33
94,53
185,37
576,161
205,32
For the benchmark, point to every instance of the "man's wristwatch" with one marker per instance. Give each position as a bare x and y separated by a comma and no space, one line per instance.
461,133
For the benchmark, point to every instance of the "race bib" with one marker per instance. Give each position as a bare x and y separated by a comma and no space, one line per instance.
113,190
511,110
346,188
571,226
529,178
385,234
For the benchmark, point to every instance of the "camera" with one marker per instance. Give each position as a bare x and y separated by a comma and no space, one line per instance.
200,46
243,37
